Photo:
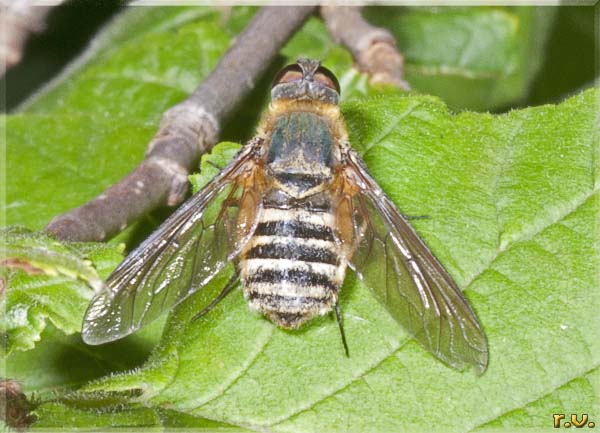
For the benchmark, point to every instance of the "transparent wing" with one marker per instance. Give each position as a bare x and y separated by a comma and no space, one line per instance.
412,284
180,257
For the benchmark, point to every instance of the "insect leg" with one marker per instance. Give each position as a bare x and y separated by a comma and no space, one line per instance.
228,288
338,316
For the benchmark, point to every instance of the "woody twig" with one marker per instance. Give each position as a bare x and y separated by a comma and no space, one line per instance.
373,48
187,130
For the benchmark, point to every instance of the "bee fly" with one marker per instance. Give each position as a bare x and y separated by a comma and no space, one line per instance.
293,210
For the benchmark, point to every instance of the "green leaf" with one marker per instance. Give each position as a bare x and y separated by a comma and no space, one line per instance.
212,163
511,201
59,362
46,287
135,52
46,280
86,414
476,58
580,396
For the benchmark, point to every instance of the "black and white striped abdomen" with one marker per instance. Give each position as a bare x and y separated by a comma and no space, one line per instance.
291,270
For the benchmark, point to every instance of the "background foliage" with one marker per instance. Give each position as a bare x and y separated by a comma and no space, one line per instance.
512,201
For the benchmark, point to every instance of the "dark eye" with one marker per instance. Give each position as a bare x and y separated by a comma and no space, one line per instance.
326,77
287,74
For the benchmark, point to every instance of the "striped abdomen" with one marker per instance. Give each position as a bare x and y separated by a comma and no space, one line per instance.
291,270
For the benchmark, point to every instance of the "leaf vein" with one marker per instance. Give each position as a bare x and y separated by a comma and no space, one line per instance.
412,107
241,373
574,206
336,391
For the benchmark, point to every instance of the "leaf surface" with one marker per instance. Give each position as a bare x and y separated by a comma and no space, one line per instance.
511,212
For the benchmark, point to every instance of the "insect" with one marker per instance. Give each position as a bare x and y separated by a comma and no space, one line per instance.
293,210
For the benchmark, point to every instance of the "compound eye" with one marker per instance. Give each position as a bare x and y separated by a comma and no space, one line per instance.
287,74
327,78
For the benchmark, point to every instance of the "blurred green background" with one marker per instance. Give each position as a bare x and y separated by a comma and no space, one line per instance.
557,44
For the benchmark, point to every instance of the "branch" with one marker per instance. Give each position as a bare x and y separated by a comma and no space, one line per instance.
187,130
18,18
373,48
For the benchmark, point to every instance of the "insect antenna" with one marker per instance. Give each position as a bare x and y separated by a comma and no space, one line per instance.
338,316
228,288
